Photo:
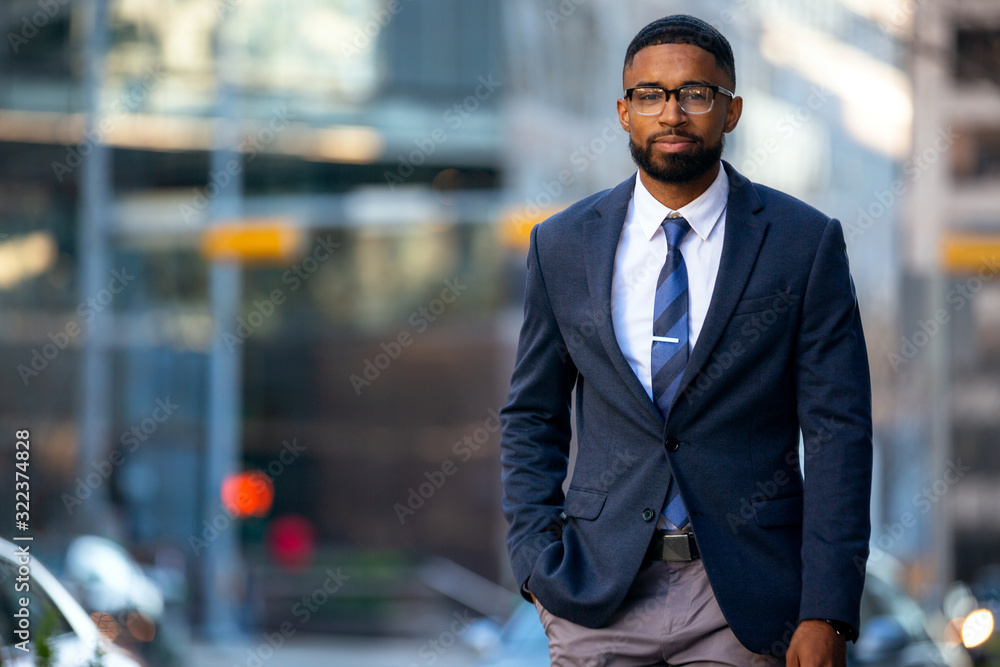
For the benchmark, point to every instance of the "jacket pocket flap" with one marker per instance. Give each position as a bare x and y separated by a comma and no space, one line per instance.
774,512
779,302
584,504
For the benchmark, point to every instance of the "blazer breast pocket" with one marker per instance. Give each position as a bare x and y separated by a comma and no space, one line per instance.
584,504
778,302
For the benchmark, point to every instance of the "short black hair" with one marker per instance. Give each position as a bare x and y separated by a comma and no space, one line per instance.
685,29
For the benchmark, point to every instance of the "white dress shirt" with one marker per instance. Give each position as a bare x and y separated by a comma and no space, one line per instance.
642,250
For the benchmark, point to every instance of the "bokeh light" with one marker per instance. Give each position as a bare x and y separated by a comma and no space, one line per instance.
247,494
977,628
291,541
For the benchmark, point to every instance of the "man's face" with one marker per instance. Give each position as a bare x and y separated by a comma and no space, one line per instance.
677,147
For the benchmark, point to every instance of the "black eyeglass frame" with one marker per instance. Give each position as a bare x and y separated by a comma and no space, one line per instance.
677,91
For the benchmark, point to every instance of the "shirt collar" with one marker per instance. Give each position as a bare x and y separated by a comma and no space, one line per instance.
702,213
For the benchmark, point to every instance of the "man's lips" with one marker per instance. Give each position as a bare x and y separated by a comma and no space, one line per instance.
673,143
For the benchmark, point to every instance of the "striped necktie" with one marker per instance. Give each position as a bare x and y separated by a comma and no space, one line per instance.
669,353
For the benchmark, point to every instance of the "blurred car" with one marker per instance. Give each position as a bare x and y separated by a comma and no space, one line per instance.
985,591
894,627
74,638
109,578
140,606
893,632
520,642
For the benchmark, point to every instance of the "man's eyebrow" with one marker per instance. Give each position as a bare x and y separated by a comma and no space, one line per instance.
656,84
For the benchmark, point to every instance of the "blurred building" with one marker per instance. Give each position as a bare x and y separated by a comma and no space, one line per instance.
949,340
354,354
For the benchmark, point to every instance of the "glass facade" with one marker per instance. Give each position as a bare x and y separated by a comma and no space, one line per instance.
371,130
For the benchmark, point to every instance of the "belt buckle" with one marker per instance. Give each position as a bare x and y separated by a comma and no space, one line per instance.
673,547
677,547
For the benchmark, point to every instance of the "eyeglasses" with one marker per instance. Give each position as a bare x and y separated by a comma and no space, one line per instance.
694,98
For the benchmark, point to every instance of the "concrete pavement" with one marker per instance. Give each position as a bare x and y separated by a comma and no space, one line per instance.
331,652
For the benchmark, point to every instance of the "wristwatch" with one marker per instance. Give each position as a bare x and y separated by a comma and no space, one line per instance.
845,630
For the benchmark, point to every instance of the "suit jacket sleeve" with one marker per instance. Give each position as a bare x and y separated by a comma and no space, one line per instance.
535,428
833,390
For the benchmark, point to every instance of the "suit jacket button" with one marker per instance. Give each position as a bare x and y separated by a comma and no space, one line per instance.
648,514
672,444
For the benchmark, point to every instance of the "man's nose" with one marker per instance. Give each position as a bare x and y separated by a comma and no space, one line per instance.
672,113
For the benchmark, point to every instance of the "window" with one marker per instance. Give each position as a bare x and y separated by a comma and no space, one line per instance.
977,55
977,153
440,48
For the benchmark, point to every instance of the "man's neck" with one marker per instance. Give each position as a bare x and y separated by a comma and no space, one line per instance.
676,195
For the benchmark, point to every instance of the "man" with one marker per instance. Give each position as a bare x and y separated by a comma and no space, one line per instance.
702,321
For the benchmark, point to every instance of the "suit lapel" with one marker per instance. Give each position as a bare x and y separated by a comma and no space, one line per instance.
741,244
601,235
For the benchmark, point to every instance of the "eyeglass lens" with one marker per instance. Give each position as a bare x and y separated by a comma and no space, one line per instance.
693,99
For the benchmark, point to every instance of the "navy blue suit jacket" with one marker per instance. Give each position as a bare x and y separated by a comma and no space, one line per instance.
781,349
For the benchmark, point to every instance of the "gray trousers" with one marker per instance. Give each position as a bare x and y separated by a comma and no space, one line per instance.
669,617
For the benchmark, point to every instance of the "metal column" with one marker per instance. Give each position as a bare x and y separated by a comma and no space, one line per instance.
221,568
94,272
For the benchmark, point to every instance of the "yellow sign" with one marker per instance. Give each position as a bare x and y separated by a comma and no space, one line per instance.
968,252
516,224
252,241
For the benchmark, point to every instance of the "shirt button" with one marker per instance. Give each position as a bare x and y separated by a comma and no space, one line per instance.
648,514
672,444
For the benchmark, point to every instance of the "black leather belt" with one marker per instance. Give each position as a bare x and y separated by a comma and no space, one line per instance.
665,546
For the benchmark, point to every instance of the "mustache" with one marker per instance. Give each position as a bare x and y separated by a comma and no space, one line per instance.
674,133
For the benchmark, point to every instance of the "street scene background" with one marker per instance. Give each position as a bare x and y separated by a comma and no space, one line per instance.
261,278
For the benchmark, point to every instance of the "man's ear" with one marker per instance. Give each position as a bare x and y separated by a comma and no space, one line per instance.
623,115
733,114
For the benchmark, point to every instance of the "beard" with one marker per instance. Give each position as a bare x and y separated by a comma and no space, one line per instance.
677,168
